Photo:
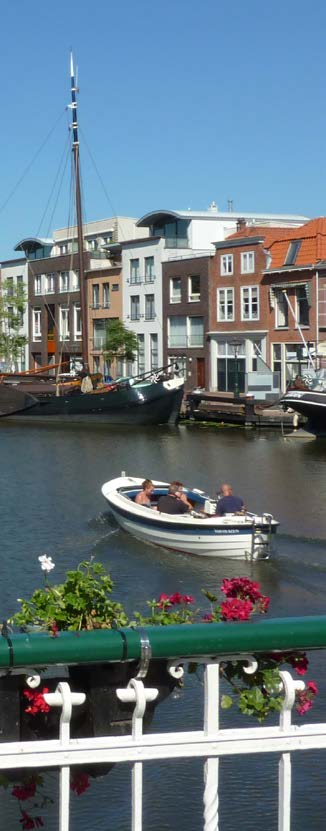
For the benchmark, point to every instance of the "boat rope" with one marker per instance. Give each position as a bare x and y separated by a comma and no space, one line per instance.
30,164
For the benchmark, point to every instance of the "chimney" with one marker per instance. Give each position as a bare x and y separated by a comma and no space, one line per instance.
241,224
213,208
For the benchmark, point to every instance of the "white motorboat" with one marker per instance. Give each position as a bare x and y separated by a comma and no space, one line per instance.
240,536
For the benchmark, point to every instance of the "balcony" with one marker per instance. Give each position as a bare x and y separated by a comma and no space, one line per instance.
202,740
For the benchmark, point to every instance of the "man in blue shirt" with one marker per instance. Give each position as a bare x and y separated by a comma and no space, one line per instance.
229,504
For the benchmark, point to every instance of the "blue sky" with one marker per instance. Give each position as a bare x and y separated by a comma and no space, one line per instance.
180,104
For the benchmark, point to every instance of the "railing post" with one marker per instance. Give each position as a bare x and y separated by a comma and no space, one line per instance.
63,697
211,725
135,691
284,769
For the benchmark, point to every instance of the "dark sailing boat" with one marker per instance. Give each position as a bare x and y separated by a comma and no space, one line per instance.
154,398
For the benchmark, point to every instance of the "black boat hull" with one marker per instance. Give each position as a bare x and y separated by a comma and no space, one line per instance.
312,405
154,403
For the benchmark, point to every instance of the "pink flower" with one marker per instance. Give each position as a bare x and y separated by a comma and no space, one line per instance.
299,663
305,698
312,686
235,609
187,598
27,821
241,587
54,630
26,791
38,703
176,598
208,618
163,601
79,783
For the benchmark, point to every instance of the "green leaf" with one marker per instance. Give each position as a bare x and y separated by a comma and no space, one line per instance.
226,702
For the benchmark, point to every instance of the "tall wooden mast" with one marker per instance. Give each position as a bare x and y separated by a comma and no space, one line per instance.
82,281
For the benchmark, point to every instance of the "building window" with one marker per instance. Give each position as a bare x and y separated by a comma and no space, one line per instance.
149,270
292,252
177,331
64,280
196,331
154,351
247,262
115,287
194,288
281,310
64,322
134,307
149,307
99,334
37,334
75,281
49,283
250,303
134,271
226,264
277,357
77,321
92,244
302,306
96,363
175,290
225,304
141,355
106,295
95,296
63,248
179,363
38,284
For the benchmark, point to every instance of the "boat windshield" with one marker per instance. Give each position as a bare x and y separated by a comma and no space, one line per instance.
318,381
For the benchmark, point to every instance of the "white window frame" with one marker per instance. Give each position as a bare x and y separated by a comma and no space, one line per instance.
106,296
250,290
50,283
184,344
150,303
175,298
96,296
64,318
280,309
247,262
149,269
37,325
193,297
38,284
153,338
191,344
77,314
223,293
134,301
305,325
134,273
75,283
63,281
226,261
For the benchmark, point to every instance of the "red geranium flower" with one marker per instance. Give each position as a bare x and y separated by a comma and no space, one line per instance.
38,703
79,782
26,791
235,609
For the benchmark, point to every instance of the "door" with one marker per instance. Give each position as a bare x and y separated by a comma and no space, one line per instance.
201,373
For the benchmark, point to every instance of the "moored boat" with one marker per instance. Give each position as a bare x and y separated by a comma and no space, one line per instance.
309,399
240,536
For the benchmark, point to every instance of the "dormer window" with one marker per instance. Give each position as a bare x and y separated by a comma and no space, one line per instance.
292,252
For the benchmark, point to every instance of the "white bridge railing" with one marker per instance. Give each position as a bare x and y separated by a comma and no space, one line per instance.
209,744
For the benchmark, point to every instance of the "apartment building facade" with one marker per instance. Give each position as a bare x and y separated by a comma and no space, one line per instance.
12,274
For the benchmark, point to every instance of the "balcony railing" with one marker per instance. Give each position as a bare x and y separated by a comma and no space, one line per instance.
207,644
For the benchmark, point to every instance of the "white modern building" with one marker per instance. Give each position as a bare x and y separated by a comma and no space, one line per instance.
173,235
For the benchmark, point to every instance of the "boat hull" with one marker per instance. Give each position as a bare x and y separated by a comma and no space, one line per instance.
312,405
156,403
231,536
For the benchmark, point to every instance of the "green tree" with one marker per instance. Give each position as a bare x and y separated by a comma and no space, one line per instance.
13,301
120,342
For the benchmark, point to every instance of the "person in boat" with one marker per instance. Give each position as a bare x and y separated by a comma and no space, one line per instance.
183,495
171,502
144,496
86,381
228,503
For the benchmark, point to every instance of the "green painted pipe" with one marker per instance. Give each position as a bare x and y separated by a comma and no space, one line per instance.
100,645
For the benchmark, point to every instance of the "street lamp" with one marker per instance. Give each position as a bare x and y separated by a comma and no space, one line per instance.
235,346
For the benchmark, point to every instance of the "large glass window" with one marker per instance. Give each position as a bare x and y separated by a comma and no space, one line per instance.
302,306
64,280
75,280
179,362
194,288
95,296
175,290
149,270
99,334
37,334
38,284
49,283
281,310
177,331
77,321
134,271
247,262
149,307
226,264
175,233
196,331
154,351
64,322
134,307
225,304
106,295
141,354
249,303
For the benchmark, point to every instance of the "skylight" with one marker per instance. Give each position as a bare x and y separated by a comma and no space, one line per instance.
292,252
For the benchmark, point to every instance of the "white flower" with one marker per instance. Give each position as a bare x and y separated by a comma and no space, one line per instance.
46,563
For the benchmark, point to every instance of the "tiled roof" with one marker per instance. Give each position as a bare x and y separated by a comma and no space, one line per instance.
313,244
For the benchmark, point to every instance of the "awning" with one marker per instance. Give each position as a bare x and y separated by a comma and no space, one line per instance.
289,285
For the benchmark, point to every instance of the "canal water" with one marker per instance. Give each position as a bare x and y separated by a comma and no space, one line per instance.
51,502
